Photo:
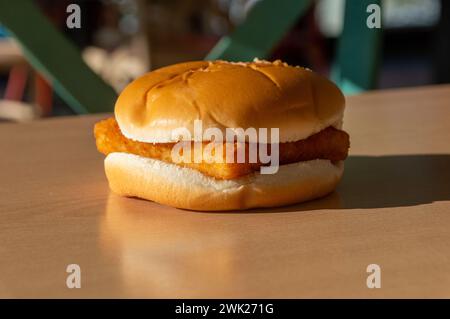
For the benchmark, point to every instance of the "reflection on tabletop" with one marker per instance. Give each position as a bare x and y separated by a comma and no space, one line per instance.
288,251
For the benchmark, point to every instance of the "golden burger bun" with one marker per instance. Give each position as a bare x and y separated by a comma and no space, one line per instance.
181,187
223,94
257,94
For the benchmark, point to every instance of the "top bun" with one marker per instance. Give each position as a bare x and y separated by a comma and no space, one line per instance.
257,94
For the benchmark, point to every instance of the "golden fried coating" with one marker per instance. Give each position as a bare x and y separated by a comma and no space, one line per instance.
330,143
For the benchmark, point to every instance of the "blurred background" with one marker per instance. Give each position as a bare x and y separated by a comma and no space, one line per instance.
122,39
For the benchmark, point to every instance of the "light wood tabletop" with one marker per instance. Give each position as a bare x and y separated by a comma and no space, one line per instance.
391,209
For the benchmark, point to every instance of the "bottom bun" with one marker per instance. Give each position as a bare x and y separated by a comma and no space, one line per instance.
173,185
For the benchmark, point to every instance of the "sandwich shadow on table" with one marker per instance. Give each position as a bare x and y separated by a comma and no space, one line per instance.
385,181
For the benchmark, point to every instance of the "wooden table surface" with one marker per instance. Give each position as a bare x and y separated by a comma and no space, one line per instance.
392,209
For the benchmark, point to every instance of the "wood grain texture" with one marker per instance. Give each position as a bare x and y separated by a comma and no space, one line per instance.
392,208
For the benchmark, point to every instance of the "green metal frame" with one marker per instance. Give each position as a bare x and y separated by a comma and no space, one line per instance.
50,53
358,54
355,69
358,50
267,22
